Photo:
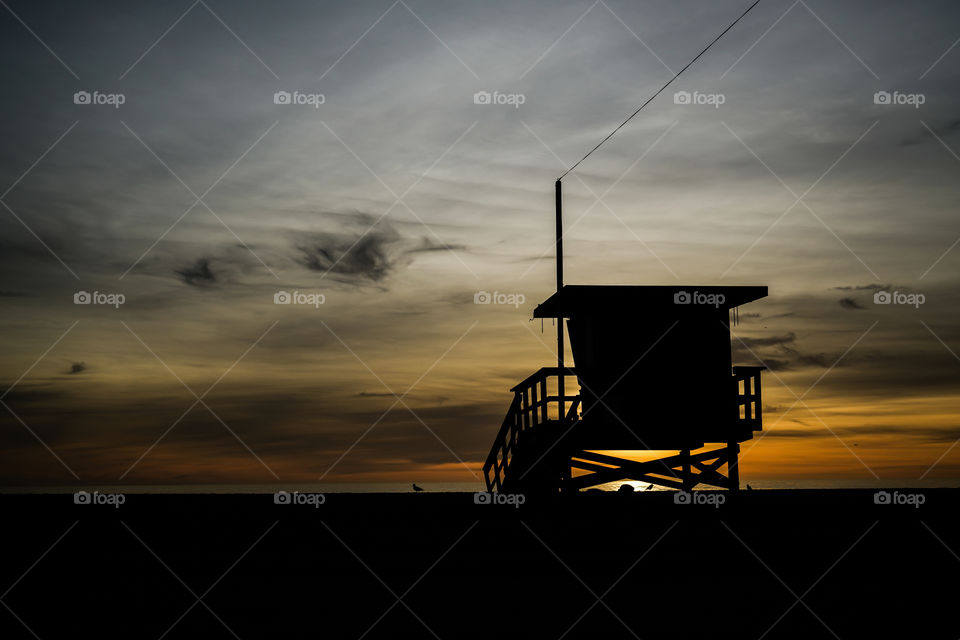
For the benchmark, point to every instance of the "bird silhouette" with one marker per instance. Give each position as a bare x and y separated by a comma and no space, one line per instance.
649,487
416,488
749,488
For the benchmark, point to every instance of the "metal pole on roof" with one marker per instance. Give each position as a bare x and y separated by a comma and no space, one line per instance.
560,371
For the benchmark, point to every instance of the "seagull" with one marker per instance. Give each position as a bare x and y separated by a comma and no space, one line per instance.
416,488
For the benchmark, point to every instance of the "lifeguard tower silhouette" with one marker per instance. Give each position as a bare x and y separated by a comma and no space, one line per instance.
654,370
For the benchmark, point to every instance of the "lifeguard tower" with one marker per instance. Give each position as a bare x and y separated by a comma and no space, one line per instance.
653,373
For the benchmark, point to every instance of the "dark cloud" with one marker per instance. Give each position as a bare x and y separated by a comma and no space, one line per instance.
427,246
33,394
951,127
368,252
777,354
198,274
946,129
766,342
865,287
850,304
796,433
352,258
949,433
818,360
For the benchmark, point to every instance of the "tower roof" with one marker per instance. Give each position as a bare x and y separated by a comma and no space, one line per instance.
618,299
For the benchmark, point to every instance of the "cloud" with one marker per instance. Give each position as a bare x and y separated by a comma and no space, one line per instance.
817,360
426,246
850,303
944,130
352,258
198,274
77,367
766,342
369,252
949,433
34,394
865,287
776,353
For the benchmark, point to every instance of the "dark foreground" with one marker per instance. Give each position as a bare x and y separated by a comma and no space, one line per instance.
772,564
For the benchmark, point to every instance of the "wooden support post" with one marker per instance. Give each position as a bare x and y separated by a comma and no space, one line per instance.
559,224
688,482
733,470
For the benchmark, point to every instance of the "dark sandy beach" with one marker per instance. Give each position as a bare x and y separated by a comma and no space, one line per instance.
817,563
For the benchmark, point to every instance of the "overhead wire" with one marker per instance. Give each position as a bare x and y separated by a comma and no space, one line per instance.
660,90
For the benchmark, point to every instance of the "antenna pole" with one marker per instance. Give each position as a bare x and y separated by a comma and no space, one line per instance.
560,370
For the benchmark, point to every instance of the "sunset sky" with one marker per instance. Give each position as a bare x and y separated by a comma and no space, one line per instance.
399,198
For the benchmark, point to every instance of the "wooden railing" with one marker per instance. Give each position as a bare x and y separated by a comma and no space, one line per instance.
532,406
